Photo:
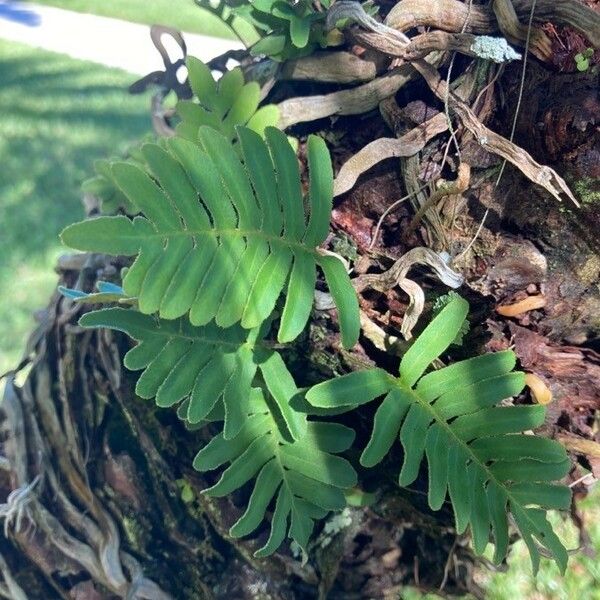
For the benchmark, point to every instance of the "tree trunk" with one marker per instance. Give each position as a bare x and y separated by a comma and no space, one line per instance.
107,505
100,498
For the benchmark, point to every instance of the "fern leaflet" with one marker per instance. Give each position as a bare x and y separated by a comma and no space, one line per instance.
476,451
104,187
107,293
203,365
222,240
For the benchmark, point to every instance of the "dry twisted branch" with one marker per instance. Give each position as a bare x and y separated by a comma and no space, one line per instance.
451,15
491,141
345,102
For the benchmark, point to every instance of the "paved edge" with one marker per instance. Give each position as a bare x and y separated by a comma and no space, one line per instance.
103,40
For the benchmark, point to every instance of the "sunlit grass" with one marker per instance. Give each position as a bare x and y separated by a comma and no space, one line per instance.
184,15
57,115
582,579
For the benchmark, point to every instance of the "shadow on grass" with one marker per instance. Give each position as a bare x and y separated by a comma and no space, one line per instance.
57,116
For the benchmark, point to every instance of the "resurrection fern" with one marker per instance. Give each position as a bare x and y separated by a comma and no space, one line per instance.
225,243
476,451
222,240
212,371
223,104
287,30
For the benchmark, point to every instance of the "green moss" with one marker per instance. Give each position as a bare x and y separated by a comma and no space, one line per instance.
587,190
345,247
134,532
186,490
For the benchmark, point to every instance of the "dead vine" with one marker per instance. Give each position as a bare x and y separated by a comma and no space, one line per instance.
491,141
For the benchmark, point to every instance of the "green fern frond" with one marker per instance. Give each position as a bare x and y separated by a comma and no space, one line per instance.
210,372
222,105
223,240
202,365
286,31
477,451
303,478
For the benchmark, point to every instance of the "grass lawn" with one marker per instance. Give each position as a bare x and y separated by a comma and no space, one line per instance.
581,580
181,14
57,115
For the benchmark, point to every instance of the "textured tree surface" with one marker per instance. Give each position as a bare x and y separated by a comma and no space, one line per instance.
100,500
111,507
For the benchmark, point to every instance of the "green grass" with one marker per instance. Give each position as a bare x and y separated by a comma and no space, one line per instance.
57,115
181,14
582,579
